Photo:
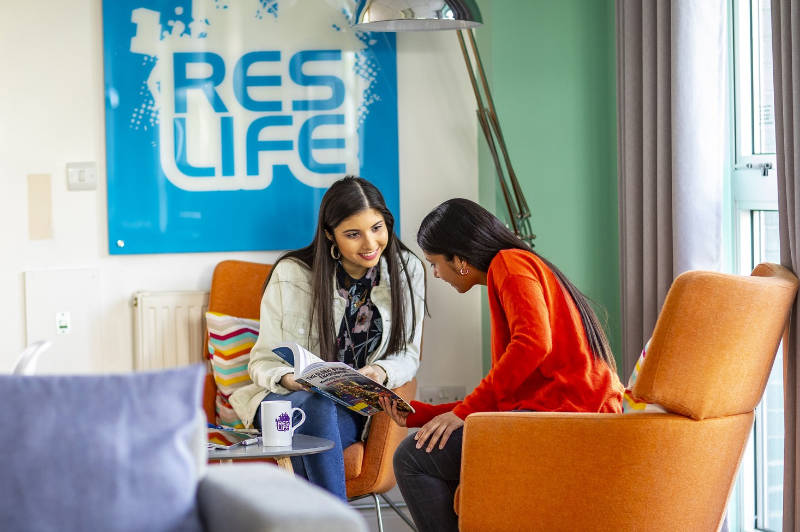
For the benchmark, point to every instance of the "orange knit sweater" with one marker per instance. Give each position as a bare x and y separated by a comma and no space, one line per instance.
541,359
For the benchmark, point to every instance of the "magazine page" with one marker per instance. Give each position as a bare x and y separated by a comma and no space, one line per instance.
296,355
349,387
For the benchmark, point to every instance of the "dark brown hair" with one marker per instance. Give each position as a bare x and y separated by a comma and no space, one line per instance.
343,199
462,228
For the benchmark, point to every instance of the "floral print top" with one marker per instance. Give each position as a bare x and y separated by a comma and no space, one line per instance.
361,329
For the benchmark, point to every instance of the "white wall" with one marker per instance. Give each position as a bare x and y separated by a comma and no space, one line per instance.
52,112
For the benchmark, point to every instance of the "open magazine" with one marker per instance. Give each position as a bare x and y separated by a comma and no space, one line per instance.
338,381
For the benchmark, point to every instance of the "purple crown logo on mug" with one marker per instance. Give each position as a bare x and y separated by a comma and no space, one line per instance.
283,423
277,428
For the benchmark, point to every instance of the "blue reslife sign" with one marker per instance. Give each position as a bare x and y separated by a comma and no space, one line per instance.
226,120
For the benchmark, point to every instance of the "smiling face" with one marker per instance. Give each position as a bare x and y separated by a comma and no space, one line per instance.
361,239
450,272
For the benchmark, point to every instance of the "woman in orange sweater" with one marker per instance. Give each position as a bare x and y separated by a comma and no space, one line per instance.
549,351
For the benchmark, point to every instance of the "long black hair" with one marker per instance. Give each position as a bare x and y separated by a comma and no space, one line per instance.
462,228
343,199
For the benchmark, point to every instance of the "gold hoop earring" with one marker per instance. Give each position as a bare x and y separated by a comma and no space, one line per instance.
337,255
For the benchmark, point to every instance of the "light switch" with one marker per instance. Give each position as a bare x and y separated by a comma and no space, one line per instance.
82,176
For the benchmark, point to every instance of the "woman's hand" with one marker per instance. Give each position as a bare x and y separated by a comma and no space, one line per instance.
438,429
390,407
374,372
288,381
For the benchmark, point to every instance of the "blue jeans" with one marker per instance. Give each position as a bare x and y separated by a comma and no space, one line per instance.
428,482
324,419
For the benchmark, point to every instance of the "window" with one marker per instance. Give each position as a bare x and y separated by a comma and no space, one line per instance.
762,466
754,114
757,503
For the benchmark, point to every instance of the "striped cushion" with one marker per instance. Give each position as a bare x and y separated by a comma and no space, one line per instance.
230,340
630,403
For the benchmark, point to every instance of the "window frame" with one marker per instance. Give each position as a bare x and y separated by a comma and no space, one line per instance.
749,190
744,50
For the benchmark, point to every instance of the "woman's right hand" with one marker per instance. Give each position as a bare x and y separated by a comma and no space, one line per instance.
288,381
390,407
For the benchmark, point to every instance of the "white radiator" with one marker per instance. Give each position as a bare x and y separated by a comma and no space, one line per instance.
169,328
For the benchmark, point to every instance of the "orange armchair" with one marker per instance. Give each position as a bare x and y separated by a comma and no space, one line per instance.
236,289
711,353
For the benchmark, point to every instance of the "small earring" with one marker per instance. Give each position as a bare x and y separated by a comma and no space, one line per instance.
337,255
463,270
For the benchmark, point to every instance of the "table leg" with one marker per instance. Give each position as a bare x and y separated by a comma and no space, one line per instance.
286,463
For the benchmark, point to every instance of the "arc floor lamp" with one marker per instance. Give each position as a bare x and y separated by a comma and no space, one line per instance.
462,16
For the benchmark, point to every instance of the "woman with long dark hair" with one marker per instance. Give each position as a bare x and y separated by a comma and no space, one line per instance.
549,351
355,295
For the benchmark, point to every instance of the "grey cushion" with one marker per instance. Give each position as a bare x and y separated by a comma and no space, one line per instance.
265,498
112,453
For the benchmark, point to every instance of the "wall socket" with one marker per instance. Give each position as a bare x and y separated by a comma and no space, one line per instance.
441,394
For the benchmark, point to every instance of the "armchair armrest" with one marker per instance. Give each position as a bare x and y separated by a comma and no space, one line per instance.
570,471
377,473
266,498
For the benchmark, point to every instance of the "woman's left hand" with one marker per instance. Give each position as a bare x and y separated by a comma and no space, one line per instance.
438,429
376,373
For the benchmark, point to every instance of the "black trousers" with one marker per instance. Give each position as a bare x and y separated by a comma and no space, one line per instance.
428,482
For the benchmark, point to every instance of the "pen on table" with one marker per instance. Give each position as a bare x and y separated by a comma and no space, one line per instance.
231,429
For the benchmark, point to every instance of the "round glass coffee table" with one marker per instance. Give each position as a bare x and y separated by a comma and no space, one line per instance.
301,445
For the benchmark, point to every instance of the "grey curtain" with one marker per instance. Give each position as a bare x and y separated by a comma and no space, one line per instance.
671,68
785,72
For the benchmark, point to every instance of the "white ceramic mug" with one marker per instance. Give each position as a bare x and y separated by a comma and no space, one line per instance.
277,428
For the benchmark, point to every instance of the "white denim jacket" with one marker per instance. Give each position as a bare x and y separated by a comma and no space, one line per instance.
285,318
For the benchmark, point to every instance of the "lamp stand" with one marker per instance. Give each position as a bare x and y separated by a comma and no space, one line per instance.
518,211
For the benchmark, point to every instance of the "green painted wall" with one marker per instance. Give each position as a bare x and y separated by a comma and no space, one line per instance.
551,66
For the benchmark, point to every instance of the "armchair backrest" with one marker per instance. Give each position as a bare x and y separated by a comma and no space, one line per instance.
237,287
715,341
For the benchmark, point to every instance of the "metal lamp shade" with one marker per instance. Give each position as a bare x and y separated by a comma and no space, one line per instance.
417,15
